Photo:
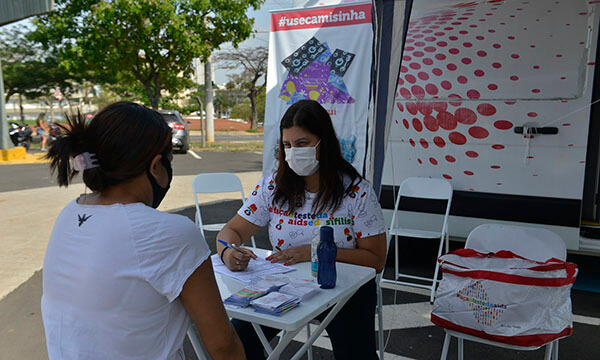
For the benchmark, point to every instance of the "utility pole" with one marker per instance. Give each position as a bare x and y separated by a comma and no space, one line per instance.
202,127
199,81
208,101
5,142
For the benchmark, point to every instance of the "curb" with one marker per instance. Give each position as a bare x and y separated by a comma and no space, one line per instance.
16,157
16,153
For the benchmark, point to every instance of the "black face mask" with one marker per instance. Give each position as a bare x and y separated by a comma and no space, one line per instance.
159,192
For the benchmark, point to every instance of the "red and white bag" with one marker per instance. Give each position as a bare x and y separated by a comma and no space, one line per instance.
504,297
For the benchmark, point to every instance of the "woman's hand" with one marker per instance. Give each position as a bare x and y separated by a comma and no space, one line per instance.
236,261
292,255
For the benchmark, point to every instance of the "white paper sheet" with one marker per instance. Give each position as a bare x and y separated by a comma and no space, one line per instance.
256,268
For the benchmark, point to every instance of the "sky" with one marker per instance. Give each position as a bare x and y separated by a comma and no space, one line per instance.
260,38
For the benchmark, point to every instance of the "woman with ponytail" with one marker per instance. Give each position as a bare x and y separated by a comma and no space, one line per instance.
121,279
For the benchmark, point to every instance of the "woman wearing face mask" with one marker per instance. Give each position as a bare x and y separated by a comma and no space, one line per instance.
120,277
314,186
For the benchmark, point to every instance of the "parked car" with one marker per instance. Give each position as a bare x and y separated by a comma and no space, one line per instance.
181,134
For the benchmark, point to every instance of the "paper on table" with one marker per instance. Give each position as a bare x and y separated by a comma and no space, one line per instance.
257,267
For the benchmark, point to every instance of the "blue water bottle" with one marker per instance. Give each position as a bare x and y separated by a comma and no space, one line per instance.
327,254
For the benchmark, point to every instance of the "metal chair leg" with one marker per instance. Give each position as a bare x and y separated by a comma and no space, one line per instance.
445,347
548,353
447,243
380,322
437,268
396,266
309,351
461,349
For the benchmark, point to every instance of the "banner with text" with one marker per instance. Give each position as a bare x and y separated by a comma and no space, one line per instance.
323,54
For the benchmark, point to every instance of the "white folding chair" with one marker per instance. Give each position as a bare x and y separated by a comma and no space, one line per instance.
215,183
533,243
197,344
422,188
209,184
378,280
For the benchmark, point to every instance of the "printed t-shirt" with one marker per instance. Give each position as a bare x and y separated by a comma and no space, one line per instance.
112,277
358,216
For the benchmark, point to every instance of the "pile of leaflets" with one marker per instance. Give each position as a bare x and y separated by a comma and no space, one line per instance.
275,303
243,297
303,289
270,282
273,294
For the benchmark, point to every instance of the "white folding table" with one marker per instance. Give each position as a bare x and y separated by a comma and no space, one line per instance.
349,279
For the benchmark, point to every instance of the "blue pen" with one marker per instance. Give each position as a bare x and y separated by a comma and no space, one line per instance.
231,246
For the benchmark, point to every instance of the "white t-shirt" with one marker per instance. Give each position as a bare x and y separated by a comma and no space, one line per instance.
358,216
111,280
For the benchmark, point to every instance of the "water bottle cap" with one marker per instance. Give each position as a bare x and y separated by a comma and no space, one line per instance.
326,231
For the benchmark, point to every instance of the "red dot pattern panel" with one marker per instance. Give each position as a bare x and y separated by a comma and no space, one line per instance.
510,43
466,57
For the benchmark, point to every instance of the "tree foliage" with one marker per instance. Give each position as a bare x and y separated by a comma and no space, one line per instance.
30,72
244,110
254,62
146,46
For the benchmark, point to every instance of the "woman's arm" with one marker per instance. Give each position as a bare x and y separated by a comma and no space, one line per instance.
237,231
370,252
201,298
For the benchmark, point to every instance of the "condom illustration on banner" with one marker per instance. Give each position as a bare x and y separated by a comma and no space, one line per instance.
316,73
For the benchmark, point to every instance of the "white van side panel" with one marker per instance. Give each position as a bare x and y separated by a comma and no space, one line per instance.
471,73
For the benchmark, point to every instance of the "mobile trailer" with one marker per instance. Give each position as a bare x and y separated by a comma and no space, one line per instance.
498,97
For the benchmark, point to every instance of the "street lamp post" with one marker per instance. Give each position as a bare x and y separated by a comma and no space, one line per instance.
5,142
208,101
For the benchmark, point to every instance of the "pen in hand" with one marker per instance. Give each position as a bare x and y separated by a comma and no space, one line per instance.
234,247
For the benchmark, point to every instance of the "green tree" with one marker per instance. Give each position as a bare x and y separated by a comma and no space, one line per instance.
147,45
254,62
244,110
224,101
29,72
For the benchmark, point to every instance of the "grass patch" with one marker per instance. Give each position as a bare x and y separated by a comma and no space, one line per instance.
253,131
246,146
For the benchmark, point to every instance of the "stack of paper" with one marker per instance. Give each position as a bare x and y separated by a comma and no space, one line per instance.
242,298
270,282
304,289
275,303
256,268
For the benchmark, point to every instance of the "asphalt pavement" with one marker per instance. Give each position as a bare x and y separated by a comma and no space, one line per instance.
30,201
27,176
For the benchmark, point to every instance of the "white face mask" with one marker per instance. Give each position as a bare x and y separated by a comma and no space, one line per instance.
303,160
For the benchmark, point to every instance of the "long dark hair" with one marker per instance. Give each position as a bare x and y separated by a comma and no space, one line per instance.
311,116
125,137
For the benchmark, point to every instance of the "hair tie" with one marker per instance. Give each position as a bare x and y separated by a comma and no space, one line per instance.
85,161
